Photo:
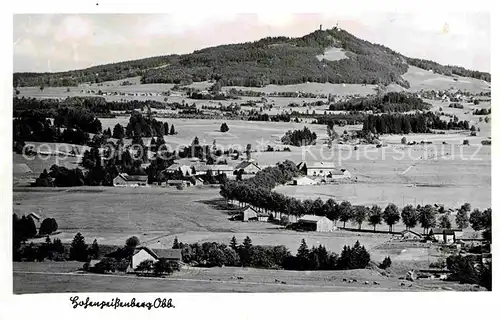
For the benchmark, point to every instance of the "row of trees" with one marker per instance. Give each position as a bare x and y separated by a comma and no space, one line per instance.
406,123
389,102
257,192
210,254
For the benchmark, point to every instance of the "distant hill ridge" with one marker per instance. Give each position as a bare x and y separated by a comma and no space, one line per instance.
272,60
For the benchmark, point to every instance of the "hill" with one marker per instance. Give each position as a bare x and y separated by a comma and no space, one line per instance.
276,60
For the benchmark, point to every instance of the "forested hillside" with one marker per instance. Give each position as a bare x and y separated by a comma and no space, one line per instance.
278,60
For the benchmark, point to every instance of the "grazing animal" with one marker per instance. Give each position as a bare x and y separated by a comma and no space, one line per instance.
354,280
240,278
344,280
375,282
402,284
366,282
283,282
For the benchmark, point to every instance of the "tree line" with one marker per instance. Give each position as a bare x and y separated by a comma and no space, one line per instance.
212,254
406,123
389,102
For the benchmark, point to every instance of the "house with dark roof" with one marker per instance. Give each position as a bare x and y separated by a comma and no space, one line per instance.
124,180
444,235
249,213
248,167
141,254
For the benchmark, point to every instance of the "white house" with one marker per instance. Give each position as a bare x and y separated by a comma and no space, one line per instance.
337,174
316,223
317,168
303,181
250,214
144,253
248,167
444,235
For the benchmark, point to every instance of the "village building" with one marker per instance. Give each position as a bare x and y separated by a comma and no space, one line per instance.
317,168
248,167
144,253
183,168
410,235
316,223
336,174
221,168
249,213
124,180
303,181
444,235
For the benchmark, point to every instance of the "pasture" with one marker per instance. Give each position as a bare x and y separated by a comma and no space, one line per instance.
158,215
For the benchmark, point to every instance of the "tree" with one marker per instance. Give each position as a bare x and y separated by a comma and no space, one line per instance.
78,249
375,217
176,244
42,86
480,220
233,243
196,141
132,242
146,265
172,130
410,216
391,215
106,265
48,226
486,119
27,227
427,217
224,127
444,221
94,250
403,140
360,213
462,219
345,211
466,142
303,255
163,265
118,131
386,263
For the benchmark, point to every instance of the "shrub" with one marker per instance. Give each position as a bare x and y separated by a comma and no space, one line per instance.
132,242
386,263
48,226
466,142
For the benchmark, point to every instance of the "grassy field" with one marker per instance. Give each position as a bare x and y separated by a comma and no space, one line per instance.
47,279
158,215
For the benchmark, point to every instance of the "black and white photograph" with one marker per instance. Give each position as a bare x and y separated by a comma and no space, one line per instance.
251,153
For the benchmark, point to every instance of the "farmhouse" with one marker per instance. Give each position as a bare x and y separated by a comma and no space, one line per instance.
316,223
411,235
250,214
221,168
303,181
248,167
124,180
144,253
339,174
316,168
183,168
444,235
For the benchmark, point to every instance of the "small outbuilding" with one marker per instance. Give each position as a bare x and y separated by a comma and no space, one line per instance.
303,181
316,223
124,180
411,235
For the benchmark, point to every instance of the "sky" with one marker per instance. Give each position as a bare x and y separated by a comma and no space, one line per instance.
52,43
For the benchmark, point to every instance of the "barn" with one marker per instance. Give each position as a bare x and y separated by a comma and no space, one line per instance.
251,214
144,253
411,235
316,223
248,167
303,181
124,180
